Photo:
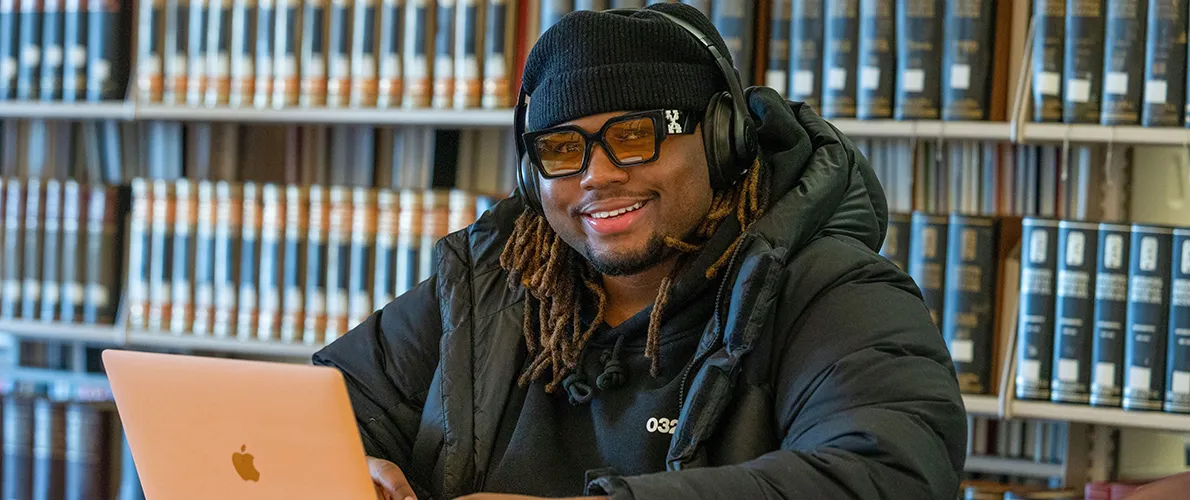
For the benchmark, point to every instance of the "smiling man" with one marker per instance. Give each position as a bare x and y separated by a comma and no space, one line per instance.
683,300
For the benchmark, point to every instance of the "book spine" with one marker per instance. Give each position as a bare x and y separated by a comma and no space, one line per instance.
31,286
338,256
293,279
1082,92
968,38
229,212
364,84
776,74
1111,309
734,21
313,85
174,57
161,254
104,243
52,50
839,58
182,292
1049,19
1148,320
271,214
196,51
500,33
468,48
29,45
108,60
877,60
970,281
362,250
249,259
243,66
51,252
1035,327
49,449
416,54
10,295
338,62
286,84
150,82
435,217
16,478
87,440
409,227
1124,48
461,210
927,260
919,48
896,240
389,81
74,46
220,30
444,38
316,262
9,48
264,43
1074,313
384,289
73,254
1165,64
1177,376
204,248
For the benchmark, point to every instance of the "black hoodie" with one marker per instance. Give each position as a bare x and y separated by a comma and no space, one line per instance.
818,373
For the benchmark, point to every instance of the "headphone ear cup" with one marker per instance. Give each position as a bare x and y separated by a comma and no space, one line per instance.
716,136
526,180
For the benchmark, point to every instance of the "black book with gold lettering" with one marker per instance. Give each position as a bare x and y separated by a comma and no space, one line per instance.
1165,64
967,46
919,51
1148,317
877,59
1083,74
1123,73
1049,39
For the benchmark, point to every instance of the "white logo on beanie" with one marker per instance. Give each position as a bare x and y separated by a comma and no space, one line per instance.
674,116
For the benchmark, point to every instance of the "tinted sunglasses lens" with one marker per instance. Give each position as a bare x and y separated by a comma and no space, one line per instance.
633,140
560,153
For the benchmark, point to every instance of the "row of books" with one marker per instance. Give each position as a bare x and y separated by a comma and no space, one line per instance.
1034,440
71,50
278,263
64,449
1113,62
1104,315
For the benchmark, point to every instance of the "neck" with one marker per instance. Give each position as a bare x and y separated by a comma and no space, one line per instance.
628,295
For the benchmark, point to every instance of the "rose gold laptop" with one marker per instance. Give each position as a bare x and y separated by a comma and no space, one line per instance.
207,428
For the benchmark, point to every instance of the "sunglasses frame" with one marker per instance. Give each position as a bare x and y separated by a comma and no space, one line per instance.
680,123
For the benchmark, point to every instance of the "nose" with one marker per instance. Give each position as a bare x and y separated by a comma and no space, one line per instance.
602,172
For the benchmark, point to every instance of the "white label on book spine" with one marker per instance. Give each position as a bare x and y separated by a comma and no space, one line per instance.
1068,370
53,55
1155,91
180,64
12,288
30,54
495,68
914,80
340,67
102,69
962,350
837,78
775,79
264,66
1181,382
869,78
74,292
50,291
1105,374
960,77
1115,83
1048,83
1030,371
98,295
150,66
78,55
1139,377
1078,90
32,289
8,67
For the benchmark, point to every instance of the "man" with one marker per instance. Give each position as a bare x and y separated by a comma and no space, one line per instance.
653,331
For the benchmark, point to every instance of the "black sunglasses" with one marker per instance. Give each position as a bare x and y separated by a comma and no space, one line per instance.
630,139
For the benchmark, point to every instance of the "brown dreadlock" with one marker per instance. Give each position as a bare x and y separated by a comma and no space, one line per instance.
535,257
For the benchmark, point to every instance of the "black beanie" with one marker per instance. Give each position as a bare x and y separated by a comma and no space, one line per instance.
598,62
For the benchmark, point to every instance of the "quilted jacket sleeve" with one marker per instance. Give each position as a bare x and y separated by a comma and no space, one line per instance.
388,362
866,403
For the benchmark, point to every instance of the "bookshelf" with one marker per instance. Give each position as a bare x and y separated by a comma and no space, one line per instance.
1101,416
1013,467
984,406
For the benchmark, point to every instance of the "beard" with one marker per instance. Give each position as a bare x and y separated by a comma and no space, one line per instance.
618,263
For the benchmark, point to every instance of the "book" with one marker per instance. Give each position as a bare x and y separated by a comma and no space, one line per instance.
1035,326
364,83
29,47
161,255
896,247
1074,312
468,45
52,50
174,58
34,234
9,48
338,258
51,252
1082,74
968,44
338,52
185,219
247,307
14,206
1111,308
435,226
462,210
1049,38
1165,64
968,303
150,84
1177,376
839,58
734,21
229,213
74,256
242,73
500,33
385,270
1148,320
316,261
876,59
74,46
49,449
389,83
197,16
87,439
293,272
919,48
409,229
776,74
220,23
204,249
271,216
312,54
927,262
444,49
286,83
16,476
264,45
415,54
108,61
1123,49
105,209
361,254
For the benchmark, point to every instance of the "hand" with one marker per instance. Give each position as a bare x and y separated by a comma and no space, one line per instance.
389,481
502,496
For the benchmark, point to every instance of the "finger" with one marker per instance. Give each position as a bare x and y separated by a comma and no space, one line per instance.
380,493
391,479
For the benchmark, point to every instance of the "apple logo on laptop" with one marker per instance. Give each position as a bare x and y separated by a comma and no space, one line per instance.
244,466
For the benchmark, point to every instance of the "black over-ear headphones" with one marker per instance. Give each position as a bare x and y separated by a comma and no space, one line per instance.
727,129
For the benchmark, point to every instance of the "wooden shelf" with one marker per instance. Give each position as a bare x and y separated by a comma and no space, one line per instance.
58,110
1013,467
167,340
104,334
1091,133
1101,416
981,405
464,118
926,129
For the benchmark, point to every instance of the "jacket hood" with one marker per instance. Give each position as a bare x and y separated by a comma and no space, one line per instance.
820,183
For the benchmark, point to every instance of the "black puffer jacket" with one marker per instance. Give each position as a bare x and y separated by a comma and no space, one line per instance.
820,376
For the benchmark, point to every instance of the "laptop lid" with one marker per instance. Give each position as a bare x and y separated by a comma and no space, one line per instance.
207,428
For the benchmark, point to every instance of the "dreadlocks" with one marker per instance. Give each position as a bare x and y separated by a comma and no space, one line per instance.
551,272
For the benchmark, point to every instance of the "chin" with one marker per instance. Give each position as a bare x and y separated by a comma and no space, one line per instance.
621,261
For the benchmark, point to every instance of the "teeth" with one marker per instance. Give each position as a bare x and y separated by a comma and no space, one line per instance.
616,213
